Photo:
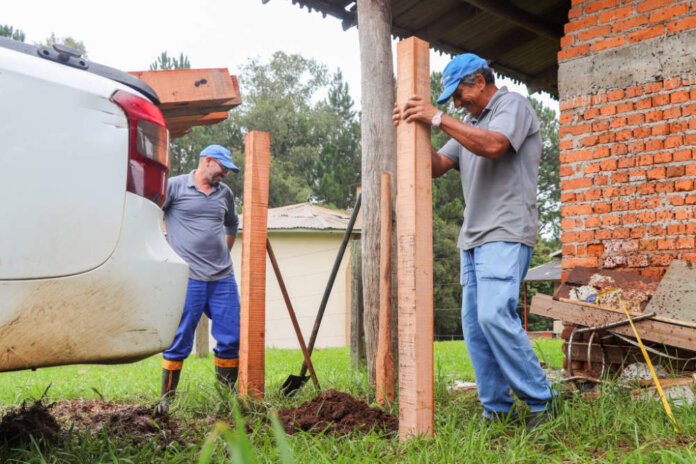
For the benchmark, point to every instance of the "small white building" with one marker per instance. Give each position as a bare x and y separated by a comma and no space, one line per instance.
305,239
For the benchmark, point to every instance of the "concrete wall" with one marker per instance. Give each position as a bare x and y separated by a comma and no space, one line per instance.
305,260
627,83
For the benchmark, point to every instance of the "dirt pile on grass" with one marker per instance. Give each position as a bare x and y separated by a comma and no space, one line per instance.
337,413
18,424
121,420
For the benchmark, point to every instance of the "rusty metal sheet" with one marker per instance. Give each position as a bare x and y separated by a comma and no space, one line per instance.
675,296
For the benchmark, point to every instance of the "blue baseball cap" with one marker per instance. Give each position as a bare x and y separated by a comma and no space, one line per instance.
221,154
460,66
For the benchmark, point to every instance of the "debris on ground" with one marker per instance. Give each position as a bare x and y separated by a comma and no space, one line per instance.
461,386
641,371
18,424
124,420
336,413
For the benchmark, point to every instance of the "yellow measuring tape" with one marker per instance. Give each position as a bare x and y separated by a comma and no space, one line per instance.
668,410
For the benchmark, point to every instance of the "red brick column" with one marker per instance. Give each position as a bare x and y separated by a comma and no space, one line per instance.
627,134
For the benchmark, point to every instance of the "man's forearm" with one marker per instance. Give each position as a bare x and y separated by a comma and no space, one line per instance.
481,142
230,241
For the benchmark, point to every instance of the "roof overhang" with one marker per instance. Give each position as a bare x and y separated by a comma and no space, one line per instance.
519,38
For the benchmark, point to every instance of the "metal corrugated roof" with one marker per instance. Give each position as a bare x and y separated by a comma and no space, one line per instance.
519,38
306,216
546,272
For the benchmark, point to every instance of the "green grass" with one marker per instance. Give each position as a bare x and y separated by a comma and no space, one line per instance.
610,429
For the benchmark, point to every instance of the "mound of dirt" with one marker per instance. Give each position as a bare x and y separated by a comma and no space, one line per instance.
336,413
19,424
121,419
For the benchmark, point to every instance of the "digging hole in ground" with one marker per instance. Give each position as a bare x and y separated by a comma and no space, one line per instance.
337,413
117,419
18,424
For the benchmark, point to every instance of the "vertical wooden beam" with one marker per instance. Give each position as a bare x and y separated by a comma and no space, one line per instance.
357,330
253,294
385,356
377,140
414,218
201,345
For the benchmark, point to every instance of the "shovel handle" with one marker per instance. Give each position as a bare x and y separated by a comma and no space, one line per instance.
291,311
332,277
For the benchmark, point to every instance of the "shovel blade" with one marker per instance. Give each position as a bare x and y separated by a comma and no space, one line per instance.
293,384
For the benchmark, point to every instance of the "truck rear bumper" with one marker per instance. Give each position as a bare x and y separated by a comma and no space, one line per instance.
124,310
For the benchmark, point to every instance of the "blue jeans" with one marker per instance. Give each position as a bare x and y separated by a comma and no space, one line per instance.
500,351
219,300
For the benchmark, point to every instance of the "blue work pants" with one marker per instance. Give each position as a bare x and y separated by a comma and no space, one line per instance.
219,300
499,348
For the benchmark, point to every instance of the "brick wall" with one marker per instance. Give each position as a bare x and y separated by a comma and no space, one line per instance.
627,83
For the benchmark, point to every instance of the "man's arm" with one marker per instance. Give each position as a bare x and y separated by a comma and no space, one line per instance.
440,163
230,241
482,142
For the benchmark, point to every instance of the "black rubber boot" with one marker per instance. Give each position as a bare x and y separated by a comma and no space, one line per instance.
170,380
227,376
227,371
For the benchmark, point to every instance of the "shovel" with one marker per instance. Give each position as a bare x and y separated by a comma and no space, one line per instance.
294,382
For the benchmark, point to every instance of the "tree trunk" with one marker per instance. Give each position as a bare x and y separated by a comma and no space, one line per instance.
378,139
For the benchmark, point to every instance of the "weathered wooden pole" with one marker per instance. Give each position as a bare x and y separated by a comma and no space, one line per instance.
414,224
378,150
385,355
201,344
257,151
357,327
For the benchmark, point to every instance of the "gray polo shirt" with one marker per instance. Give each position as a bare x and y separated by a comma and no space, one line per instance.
500,196
197,224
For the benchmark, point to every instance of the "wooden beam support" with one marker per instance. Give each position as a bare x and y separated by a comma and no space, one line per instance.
650,330
192,87
446,22
257,149
414,211
201,345
385,356
506,10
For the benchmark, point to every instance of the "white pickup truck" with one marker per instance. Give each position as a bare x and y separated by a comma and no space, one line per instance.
86,274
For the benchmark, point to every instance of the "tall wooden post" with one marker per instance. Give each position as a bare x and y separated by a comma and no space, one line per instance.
253,294
378,150
385,356
201,344
357,328
414,223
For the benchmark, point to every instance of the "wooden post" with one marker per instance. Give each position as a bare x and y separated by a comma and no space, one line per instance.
357,331
378,150
414,222
385,356
201,345
253,294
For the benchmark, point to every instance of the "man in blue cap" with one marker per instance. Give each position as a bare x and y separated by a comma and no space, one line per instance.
497,149
202,225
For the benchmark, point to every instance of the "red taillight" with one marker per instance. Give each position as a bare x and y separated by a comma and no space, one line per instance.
148,147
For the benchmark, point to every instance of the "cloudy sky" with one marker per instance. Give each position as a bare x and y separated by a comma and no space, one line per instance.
130,34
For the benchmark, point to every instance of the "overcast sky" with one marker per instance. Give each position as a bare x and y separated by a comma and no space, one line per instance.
131,34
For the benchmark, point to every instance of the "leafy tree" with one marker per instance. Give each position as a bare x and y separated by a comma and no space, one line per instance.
336,171
549,197
9,31
314,140
67,41
164,61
